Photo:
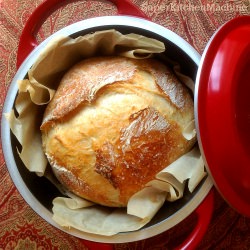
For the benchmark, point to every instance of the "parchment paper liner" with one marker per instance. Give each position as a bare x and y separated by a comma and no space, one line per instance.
38,89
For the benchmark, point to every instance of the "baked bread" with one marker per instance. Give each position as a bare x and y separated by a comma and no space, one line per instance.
113,124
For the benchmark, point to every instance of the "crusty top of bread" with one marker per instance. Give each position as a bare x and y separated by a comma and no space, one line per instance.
113,124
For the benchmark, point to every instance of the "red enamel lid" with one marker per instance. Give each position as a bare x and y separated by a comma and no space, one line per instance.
222,109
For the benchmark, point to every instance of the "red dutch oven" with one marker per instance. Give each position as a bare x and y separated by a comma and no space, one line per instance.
222,113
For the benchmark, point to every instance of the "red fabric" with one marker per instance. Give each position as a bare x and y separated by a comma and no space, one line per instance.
194,20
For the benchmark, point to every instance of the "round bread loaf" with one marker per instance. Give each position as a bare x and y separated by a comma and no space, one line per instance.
113,124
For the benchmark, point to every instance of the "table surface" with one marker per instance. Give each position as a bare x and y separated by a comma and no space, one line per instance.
195,21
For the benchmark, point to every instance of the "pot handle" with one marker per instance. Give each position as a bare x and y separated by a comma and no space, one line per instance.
27,41
204,213
95,245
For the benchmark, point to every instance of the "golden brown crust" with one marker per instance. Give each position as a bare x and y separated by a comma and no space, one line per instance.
113,124
147,144
82,83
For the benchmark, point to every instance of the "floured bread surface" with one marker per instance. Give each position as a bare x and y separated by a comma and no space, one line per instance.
113,124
